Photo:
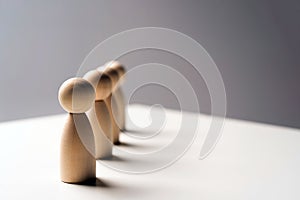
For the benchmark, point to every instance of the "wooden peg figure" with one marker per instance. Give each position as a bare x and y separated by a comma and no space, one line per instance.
111,104
118,94
99,115
77,163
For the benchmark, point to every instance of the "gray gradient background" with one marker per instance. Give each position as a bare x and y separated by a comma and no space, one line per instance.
255,44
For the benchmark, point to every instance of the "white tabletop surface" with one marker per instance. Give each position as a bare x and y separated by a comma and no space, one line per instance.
250,161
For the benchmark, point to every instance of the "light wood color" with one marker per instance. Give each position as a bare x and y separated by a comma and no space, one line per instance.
115,129
116,65
99,115
75,95
101,124
101,82
113,75
118,95
77,163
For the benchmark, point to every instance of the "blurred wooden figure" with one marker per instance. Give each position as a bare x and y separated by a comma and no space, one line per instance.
77,162
111,104
99,115
118,94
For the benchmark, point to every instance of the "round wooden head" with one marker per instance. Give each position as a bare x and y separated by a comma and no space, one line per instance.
101,83
117,66
76,95
113,75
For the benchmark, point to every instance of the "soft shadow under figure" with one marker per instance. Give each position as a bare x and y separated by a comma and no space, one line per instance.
95,182
142,133
112,158
125,144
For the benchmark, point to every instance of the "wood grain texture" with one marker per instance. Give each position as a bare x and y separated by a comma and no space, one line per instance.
76,162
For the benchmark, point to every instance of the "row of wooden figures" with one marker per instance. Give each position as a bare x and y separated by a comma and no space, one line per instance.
96,108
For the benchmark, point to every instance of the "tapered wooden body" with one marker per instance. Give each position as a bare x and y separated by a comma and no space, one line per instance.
77,164
115,129
118,97
102,128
